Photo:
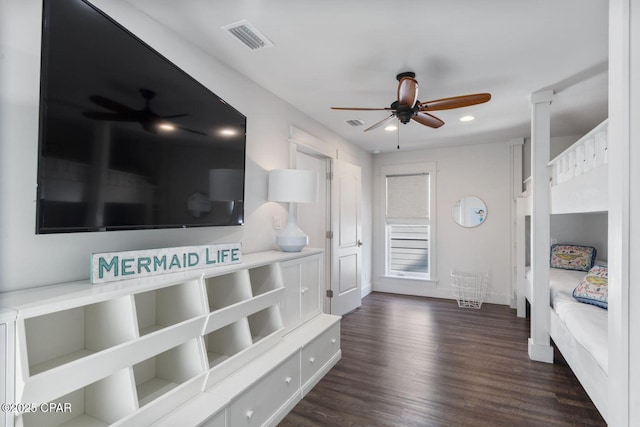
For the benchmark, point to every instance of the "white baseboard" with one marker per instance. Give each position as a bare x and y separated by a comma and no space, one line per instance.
365,290
431,290
540,353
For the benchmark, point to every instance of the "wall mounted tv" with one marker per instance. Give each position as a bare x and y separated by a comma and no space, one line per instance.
127,139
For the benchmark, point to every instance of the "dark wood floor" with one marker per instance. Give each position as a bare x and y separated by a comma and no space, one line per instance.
411,361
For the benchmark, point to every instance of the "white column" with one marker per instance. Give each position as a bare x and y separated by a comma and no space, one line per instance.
624,209
521,253
539,343
515,179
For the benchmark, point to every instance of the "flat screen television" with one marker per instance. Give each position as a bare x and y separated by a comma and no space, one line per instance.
127,140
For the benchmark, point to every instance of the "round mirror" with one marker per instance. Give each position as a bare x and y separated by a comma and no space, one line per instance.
469,211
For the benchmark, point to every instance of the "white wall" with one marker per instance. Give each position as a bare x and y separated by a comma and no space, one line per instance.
27,259
589,229
480,170
558,145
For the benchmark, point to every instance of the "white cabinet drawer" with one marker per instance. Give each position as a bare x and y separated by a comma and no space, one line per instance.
319,351
215,421
265,397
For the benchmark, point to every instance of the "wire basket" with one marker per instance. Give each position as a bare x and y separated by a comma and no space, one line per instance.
469,289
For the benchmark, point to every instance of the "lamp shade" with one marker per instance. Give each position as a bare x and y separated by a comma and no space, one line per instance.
226,184
293,185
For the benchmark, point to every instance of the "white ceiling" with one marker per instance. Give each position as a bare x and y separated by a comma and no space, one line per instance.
347,53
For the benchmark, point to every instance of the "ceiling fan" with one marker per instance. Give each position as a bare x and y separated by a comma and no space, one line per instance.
148,119
407,107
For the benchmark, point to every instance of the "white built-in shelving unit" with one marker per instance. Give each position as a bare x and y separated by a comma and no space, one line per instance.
7,331
222,346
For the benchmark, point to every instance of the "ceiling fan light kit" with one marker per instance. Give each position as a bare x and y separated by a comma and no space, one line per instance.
407,107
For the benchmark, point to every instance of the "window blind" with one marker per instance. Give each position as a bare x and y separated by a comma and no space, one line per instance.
407,198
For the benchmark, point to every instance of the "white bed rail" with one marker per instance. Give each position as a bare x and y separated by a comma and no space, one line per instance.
586,154
579,175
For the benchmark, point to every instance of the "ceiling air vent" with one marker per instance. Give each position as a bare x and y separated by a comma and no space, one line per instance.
355,122
248,35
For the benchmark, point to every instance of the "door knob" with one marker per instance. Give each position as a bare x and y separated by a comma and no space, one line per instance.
359,243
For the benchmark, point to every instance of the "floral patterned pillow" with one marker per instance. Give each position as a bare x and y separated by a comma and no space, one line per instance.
572,257
594,289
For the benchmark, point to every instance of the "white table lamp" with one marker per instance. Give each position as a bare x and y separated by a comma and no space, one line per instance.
292,186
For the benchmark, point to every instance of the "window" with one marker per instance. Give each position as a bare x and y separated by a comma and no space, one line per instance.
408,220
408,250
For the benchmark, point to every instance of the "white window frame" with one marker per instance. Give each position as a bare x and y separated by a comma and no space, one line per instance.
407,169
389,270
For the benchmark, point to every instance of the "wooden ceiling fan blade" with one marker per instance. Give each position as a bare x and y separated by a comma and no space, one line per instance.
407,91
455,102
428,120
362,109
380,123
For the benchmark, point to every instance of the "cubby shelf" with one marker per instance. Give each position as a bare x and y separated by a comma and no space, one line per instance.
265,279
98,404
223,343
160,374
168,306
237,311
131,352
228,289
55,339
264,323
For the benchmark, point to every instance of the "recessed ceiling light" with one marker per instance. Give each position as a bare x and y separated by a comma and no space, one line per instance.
391,128
167,127
467,118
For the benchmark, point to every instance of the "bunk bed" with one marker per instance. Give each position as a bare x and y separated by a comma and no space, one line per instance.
577,325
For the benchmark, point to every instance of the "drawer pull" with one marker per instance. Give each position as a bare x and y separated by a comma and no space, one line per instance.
333,340
288,380
312,359
249,414
304,290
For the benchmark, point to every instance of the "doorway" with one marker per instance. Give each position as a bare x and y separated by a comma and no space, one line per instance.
333,224
314,218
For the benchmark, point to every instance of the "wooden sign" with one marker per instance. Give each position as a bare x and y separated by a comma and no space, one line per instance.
112,266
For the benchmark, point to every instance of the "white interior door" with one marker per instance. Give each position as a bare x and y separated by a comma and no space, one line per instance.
314,218
346,243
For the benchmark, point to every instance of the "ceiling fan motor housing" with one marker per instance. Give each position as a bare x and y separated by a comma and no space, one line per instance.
406,74
404,113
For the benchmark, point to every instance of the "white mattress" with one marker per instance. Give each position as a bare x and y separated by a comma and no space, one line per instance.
587,323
